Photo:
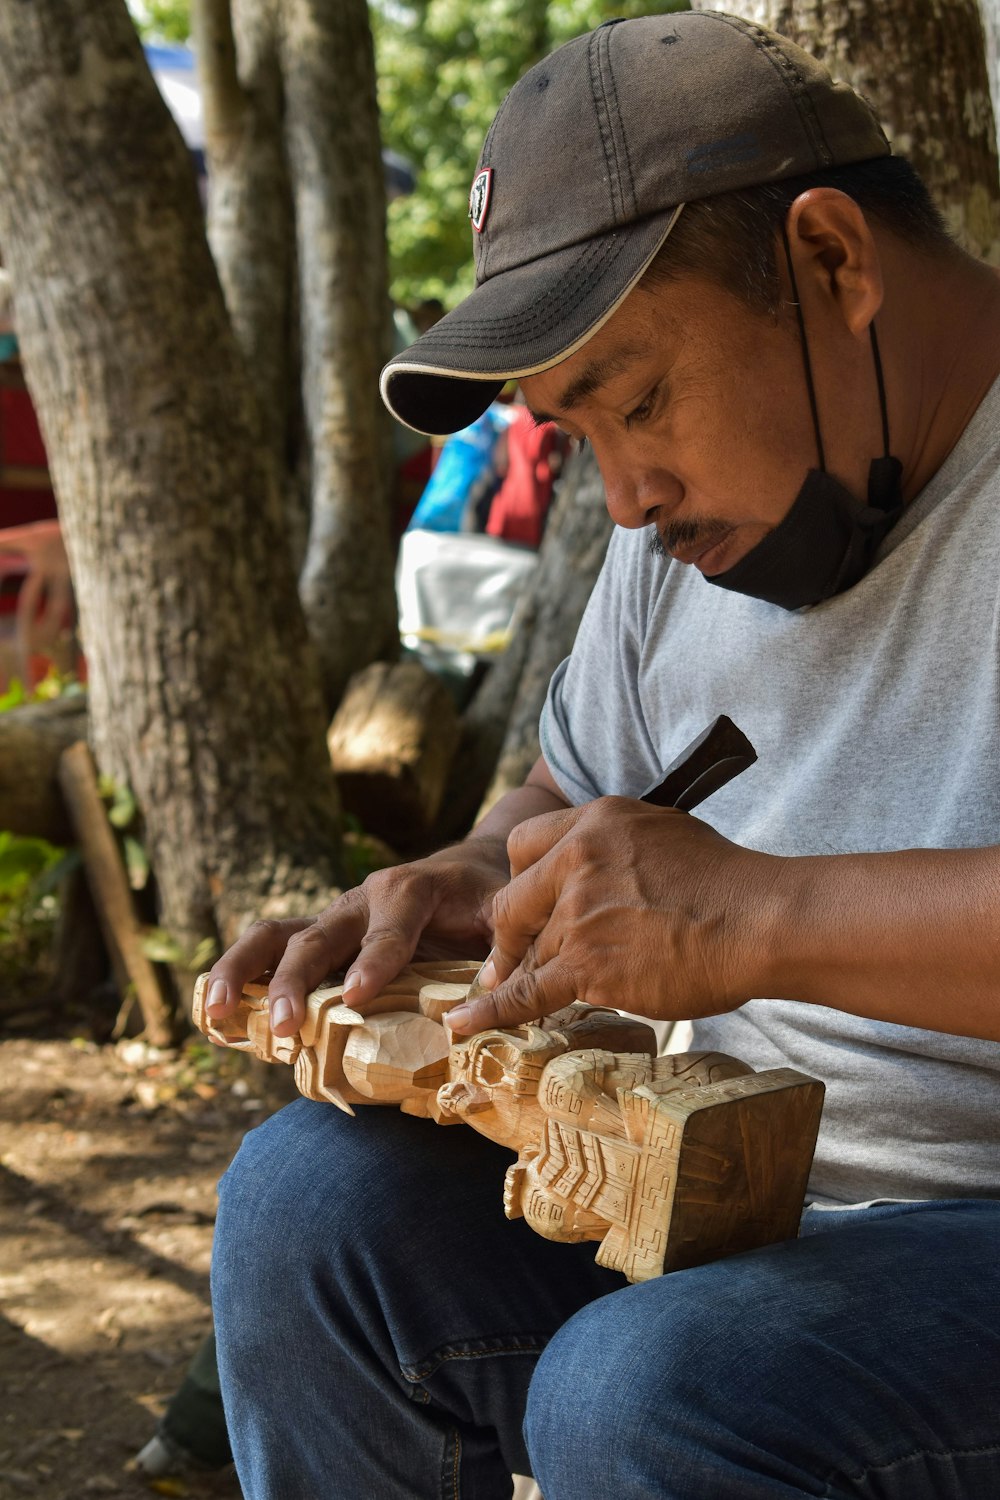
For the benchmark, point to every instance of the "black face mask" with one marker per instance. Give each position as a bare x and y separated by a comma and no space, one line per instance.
828,540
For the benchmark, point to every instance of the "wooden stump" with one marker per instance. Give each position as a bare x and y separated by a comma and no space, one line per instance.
391,745
32,738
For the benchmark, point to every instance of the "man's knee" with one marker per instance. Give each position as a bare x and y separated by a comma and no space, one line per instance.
586,1405
646,1391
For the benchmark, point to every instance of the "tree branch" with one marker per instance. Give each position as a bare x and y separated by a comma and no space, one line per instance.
224,98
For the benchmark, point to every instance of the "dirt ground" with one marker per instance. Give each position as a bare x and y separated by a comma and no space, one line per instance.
109,1158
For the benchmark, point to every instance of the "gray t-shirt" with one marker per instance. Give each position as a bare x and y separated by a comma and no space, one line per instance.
876,719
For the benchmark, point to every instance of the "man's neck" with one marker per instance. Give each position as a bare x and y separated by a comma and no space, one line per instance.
941,319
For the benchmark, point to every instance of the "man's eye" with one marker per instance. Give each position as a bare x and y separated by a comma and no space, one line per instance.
644,410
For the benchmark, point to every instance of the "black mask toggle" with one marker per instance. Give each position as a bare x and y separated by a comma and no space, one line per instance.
828,540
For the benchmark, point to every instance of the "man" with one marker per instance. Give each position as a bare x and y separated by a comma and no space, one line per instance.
790,384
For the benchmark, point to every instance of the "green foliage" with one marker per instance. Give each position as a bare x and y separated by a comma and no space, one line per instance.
444,67
30,871
363,853
54,684
161,947
162,20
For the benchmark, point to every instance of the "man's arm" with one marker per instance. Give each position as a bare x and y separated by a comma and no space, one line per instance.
911,937
652,910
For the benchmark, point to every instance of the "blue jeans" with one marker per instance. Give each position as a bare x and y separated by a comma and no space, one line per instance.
385,1334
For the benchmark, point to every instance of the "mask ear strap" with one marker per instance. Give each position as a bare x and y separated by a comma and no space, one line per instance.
810,387
880,381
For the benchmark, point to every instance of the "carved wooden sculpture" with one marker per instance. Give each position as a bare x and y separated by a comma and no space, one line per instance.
667,1161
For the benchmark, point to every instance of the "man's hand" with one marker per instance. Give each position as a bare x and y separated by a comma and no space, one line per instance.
437,907
440,905
621,904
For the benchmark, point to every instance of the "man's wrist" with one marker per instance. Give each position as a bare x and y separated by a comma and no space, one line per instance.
774,898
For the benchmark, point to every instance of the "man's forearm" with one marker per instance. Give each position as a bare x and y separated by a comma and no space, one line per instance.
910,937
512,809
538,795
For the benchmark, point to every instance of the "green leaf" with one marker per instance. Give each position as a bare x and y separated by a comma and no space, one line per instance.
161,947
14,696
123,809
23,860
205,954
136,862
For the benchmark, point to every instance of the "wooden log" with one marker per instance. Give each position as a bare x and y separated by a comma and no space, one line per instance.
32,738
391,745
110,889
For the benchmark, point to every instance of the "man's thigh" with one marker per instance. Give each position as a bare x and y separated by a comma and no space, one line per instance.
860,1361
373,1301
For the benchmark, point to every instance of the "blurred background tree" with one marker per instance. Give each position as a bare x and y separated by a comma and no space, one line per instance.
442,67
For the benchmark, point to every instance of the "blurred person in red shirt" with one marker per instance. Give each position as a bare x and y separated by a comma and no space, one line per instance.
534,458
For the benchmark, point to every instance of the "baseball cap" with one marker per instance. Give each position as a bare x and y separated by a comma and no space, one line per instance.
584,172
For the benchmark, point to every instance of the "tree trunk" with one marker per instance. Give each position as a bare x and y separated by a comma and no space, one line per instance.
203,692
334,154
251,227
989,13
500,727
923,66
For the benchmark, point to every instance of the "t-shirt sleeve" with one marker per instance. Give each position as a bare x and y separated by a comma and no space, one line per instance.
592,732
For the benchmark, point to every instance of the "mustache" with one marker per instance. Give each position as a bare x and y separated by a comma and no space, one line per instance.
686,534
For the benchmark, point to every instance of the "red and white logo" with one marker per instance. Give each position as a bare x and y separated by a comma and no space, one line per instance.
479,198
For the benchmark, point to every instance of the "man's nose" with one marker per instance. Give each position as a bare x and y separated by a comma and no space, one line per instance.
634,493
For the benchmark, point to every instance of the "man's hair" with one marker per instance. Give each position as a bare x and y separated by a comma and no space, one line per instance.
733,237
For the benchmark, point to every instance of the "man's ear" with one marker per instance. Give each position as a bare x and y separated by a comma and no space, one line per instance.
836,260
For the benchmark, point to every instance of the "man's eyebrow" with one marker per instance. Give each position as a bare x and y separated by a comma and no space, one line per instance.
593,376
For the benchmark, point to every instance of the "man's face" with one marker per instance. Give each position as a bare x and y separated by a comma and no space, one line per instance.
697,410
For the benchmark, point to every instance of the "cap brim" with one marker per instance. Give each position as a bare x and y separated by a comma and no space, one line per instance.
517,323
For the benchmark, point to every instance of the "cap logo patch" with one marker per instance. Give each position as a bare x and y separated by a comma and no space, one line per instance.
479,198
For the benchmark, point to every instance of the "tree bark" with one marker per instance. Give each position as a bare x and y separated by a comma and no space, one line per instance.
204,694
923,66
989,13
251,227
334,154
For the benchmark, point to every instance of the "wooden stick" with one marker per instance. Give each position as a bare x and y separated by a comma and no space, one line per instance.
111,892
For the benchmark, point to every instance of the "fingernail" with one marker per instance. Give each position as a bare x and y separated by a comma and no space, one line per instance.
351,982
281,1011
218,993
458,1017
488,974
